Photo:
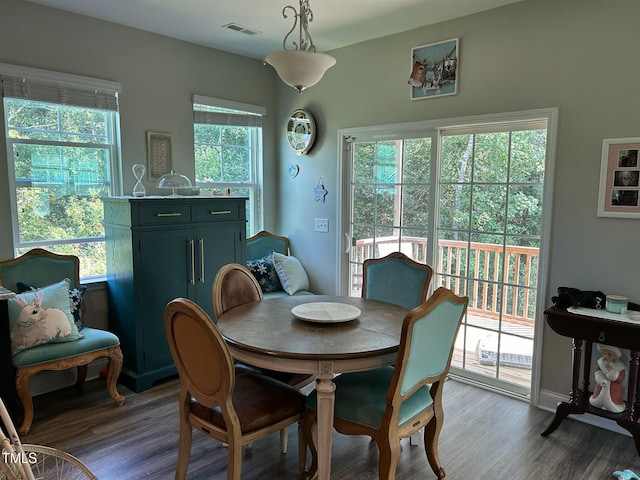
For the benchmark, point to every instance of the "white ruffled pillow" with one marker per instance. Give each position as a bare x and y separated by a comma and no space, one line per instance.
291,273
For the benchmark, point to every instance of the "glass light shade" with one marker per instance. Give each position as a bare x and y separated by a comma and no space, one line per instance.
173,181
300,69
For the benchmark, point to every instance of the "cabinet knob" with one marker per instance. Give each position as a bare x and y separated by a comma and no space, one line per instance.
601,338
220,212
172,214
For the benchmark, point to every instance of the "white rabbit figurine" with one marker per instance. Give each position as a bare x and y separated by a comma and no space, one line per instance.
36,325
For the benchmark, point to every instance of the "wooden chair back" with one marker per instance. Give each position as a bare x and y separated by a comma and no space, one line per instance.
234,285
396,279
200,354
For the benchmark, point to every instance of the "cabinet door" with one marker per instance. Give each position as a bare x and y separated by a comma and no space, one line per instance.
216,246
166,273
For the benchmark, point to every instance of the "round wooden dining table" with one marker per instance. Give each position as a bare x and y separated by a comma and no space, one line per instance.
268,335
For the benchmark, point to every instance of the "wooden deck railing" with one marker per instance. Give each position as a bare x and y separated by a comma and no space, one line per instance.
516,267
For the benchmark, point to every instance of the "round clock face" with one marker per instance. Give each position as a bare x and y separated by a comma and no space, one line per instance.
301,131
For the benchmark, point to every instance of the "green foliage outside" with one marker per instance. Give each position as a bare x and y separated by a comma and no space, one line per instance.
61,157
490,191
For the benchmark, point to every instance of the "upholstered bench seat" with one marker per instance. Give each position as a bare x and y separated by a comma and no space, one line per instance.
94,340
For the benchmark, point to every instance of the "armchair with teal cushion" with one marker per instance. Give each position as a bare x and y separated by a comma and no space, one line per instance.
396,279
40,268
391,403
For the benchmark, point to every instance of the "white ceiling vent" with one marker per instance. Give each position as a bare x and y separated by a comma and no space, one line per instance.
239,28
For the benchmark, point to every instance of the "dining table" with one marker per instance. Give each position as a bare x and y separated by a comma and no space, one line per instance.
349,334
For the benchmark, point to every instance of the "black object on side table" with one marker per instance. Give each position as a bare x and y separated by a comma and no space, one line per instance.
585,330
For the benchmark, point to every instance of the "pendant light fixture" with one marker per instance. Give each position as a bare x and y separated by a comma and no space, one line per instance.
300,67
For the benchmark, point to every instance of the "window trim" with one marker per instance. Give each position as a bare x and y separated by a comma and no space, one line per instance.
80,90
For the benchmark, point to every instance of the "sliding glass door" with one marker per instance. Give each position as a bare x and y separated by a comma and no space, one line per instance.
469,201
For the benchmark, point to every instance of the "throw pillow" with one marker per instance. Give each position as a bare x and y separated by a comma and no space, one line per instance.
265,272
42,316
291,273
75,300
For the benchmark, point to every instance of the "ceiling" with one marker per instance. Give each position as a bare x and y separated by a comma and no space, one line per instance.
336,23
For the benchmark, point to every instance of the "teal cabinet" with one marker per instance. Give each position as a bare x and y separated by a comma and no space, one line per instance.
160,248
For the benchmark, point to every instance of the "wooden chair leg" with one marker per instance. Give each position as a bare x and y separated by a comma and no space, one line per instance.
302,449
82,375
284,439
115,367
388,458
23,379
310,433
431,437
184,450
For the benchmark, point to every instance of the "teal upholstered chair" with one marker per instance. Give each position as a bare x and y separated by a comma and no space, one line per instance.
263,243
391,403
396,279
39,268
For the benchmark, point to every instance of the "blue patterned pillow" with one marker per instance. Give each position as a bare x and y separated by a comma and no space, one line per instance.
265,273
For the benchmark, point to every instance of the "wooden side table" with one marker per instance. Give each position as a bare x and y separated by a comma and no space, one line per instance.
585,330
8,391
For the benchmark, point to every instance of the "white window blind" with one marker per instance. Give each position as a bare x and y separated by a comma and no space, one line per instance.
55,87
226,112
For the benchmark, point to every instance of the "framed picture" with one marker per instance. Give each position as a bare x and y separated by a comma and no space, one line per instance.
158,155
434,69
619,178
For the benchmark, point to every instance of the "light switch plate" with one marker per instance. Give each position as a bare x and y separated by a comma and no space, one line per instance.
322,225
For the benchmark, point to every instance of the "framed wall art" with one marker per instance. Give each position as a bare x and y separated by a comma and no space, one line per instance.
434,69
619,178
158,155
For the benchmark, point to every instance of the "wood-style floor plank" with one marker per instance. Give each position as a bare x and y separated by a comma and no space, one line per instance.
486,436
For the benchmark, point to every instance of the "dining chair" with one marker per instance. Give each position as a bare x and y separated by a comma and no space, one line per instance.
235,285
234,409
391,403
396,279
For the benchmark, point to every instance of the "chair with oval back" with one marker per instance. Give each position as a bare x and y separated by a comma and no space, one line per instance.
234,409
234,285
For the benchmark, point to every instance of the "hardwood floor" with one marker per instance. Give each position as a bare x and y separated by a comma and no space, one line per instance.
486,436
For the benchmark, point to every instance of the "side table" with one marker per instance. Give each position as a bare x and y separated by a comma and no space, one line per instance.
8,391
586,329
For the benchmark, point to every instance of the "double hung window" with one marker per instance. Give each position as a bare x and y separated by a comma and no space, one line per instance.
63,156
228,151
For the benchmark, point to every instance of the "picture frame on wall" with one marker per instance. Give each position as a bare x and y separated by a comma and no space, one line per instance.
434,69
158,155
620,178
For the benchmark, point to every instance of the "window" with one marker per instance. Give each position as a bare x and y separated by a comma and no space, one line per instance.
62,152
227,140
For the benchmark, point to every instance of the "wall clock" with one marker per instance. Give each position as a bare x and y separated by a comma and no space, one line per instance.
301,131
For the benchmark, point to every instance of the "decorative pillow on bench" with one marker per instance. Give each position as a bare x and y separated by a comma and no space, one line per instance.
291,273
265,272
42,316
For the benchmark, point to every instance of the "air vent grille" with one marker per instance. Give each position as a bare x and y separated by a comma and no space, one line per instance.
236,27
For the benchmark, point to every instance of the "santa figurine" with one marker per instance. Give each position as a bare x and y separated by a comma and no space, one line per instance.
609,374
